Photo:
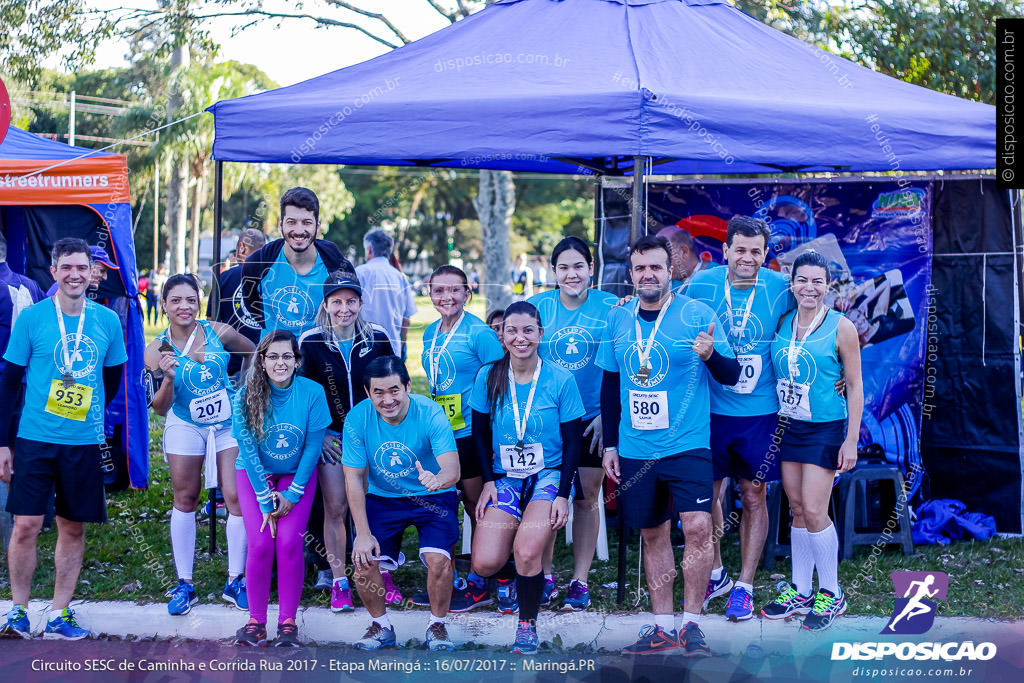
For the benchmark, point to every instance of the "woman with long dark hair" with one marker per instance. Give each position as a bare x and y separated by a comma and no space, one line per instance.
526,424
454,349
576,316
336,352
195,395
814,347
279,422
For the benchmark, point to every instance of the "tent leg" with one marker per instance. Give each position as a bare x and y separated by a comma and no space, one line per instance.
637,222
218,219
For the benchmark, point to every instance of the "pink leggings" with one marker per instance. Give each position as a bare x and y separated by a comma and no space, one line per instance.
289,544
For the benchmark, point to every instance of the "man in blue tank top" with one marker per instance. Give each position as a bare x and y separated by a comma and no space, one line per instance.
749,301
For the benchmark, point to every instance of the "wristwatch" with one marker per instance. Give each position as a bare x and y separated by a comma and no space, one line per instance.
609,448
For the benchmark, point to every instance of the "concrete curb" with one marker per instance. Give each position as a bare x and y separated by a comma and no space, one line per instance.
593,630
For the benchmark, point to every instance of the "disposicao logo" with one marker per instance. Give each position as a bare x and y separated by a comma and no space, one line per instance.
914,614
898,203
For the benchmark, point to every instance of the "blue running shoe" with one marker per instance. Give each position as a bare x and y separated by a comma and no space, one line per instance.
376,638
65,627
183,597
577,597
527,642
469,597
789,603
437,638
691,639
716,589
741,605
652,639
550,591
234,592
508,601
17,625
827,606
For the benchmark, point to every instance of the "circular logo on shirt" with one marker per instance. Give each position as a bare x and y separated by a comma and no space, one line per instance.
203,378
445,369
283,441
572,347
242,313
658,365
752,334
507,418
292,307
806,367
394,460
83,361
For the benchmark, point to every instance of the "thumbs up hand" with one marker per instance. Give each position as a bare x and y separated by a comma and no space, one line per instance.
704,344
428,479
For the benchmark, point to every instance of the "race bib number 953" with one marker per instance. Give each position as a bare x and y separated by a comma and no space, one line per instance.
71,403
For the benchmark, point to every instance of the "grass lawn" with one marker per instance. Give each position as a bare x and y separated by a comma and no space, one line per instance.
130,558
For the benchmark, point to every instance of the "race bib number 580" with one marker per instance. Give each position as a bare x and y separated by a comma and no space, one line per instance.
648,409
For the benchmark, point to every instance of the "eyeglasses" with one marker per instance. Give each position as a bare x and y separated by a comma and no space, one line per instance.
273,357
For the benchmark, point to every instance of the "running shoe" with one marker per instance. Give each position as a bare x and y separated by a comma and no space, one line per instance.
550,591
422,599
716,589
826,608
392,596
437,638
652,639
252,634
691,639
470,597
788,603
376,637
183,597
287,636
508,601
324,580
17,625
526,642
577,597
341,596
741,605
234,592
65,627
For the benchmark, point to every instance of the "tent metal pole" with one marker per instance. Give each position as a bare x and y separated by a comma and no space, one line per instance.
218,227
636,222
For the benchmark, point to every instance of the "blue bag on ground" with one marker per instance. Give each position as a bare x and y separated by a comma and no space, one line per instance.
946,520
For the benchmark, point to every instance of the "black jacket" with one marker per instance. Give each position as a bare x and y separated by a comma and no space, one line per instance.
343,383
256,266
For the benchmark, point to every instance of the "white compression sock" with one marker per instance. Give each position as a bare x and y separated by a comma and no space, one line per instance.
825,546
803,560
183,542
238,545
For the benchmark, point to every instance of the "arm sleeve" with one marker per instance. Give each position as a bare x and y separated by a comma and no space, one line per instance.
725,371
572,437
10,385
316,426
250,285
111,382
482,442
611,408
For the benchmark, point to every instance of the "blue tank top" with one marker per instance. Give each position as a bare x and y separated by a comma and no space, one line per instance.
806,388
202,392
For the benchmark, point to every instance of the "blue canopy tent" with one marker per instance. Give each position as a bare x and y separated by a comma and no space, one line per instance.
47,192
684,87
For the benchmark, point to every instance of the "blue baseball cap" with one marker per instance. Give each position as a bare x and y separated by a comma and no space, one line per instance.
100,254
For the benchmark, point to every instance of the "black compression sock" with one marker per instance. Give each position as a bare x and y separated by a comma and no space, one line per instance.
529,589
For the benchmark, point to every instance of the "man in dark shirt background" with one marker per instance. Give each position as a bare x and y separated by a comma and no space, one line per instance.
231,308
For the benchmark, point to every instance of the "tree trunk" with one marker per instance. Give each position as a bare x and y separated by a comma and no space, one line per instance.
177,179
495,202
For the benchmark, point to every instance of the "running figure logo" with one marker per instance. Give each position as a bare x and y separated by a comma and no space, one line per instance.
914,613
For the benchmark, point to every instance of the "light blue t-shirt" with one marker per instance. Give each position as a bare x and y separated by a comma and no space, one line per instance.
754,394
472,345
35,343
817,366
571,337
194,380
390,452
672,408
290,300
293,434
556,400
